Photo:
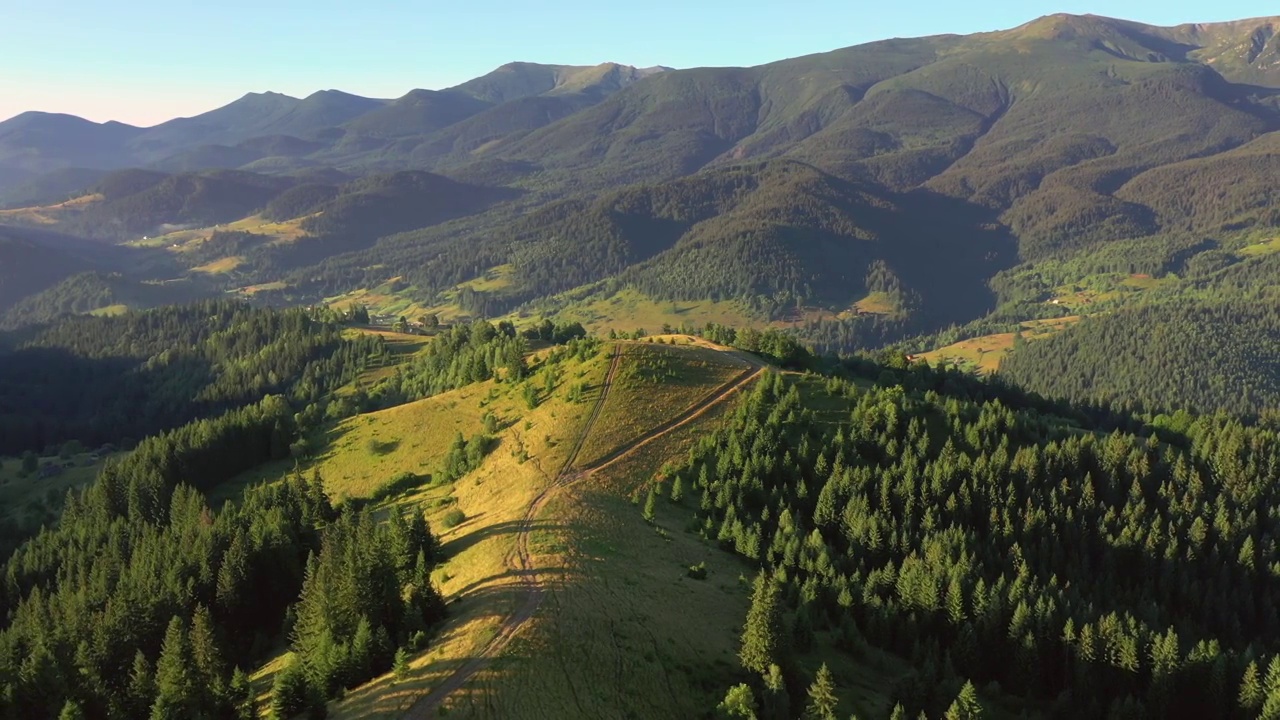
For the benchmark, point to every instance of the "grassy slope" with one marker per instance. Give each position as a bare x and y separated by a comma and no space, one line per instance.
629,310
657,381
37,500
983,354
606,638
603,638
415,438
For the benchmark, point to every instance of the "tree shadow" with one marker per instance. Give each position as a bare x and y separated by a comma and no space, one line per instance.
462,543
381,447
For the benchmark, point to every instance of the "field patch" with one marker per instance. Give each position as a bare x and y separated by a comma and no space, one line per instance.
1266,247
628,310
220,267
36,499
50,214
983,354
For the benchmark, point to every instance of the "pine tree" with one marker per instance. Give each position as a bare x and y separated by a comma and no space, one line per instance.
1271,690
206,658
738,704
776,703
176,696
650,505
400,667
1251,694
142,686
361,667
291,692
240,696
822,696
762,633
71,711
899,713
677,488
966,705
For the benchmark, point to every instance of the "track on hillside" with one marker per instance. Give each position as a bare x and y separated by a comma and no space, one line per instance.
520,561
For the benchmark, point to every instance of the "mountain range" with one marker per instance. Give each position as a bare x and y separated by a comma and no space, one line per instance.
866,195
270,128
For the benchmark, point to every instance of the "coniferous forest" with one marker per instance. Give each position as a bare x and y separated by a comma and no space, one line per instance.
968,404
141,567
1084,573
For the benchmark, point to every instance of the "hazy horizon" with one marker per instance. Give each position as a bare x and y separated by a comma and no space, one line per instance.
150,62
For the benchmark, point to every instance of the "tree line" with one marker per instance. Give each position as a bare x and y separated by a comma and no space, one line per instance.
141,570
105,379
1073,572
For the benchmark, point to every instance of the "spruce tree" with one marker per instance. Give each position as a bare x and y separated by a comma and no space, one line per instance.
291,692
738,704
966,705
650,504
206,658
677,488
776,704
1251,695
762,633
240,696
400,667
71,710
822,696
1271,690
142,686
175,684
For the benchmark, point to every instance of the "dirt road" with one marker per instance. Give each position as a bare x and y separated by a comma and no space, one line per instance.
521,561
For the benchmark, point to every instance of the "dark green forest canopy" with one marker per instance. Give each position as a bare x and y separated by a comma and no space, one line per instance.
140,567
1203,357
104,379
1087,574
938,174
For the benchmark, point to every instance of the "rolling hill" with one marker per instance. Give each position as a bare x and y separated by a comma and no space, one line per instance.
332,512
32,261
941,188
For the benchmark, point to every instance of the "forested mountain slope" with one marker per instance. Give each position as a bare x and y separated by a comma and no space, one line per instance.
895,191
104,379
1202,357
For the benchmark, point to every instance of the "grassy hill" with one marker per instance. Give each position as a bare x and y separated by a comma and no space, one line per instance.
594,562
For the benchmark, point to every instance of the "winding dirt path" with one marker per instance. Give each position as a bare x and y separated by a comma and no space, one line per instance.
521,561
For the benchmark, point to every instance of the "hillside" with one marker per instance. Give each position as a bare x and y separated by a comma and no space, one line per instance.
27,268
95,292
381,205
33,260
128,204
531,511
927,191
1201,357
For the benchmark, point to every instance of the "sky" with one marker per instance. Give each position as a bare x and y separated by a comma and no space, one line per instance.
146,61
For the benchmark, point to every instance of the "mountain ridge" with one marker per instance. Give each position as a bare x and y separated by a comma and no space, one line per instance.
1044,143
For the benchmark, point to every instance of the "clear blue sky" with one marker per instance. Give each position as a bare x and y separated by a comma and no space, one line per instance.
144,61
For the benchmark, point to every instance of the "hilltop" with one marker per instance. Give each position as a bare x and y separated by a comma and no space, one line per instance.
531,504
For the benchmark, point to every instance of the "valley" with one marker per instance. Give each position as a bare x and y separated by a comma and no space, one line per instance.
929,377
